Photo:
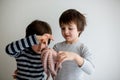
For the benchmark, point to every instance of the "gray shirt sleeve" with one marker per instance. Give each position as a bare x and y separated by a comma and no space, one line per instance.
88,66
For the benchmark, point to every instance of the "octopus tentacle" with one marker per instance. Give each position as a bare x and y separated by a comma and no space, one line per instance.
50,64
44,61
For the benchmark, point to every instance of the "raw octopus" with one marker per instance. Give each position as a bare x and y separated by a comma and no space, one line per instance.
49,61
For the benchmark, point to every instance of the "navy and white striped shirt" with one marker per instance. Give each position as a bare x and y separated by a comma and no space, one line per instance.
29,64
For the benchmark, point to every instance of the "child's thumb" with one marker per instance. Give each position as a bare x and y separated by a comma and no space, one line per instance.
60,51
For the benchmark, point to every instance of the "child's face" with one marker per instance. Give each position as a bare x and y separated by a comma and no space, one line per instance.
70,32
39,47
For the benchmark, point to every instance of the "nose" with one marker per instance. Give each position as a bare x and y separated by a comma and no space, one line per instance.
66,31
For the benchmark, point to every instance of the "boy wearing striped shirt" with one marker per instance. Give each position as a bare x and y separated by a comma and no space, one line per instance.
27,51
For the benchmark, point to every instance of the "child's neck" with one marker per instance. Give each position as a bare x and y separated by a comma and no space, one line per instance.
72,42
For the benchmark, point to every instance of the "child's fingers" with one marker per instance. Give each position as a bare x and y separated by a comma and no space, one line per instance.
62,53
61,57
15,74
59,62
48,36
44,39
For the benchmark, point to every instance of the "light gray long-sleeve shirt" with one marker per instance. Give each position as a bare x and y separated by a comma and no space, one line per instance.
70,69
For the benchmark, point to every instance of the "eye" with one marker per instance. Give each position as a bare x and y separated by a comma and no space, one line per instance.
71,28
62,28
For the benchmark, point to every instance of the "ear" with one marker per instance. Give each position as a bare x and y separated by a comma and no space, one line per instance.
79,33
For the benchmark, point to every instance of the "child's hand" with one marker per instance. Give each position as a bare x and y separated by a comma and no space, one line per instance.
63,56
15,74
44,39
47,36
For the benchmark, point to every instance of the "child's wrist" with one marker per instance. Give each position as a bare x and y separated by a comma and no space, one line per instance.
38,38
79,60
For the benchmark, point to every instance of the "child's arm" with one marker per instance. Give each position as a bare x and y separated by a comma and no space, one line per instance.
14,49
88,65
84,61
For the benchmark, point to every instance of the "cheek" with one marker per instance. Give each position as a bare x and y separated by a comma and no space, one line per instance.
63,33
35,47
76,32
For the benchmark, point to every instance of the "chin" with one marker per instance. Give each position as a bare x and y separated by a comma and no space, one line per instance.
68,40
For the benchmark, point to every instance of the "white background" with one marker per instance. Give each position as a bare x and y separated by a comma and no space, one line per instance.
101,34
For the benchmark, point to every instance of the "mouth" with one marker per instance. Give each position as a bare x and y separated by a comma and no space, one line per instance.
42,49
39,50
67,36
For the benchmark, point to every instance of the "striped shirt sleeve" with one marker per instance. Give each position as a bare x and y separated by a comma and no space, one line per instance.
14,49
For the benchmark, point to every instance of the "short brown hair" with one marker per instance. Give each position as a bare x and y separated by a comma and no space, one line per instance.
72,15
39,28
